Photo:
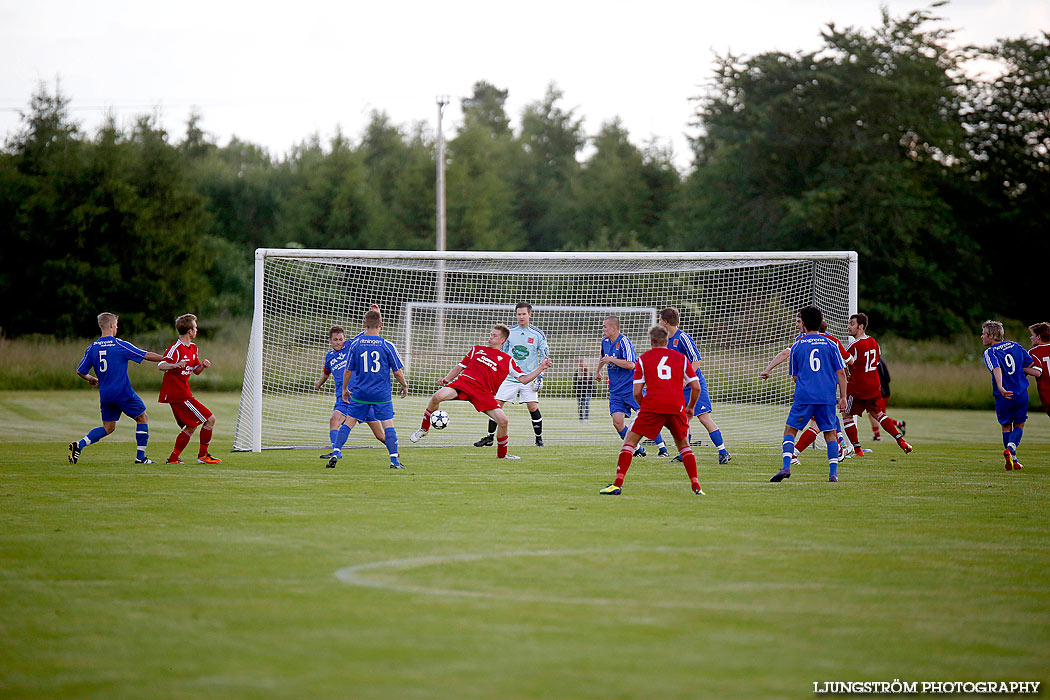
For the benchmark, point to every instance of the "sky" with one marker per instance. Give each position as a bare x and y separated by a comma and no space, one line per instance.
274,74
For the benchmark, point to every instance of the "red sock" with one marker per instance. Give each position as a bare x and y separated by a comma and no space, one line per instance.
426,420
806,439
181,441
689,460
501,446
850,426
891,426
624,463
205,440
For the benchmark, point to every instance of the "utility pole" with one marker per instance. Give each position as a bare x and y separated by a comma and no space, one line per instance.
439,290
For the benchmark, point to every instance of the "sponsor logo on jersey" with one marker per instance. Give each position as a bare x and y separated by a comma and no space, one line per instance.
520,352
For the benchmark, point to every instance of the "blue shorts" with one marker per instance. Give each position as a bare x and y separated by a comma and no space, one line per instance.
1013,410
341,407
371,412
703,404
823,413
131,406
622,405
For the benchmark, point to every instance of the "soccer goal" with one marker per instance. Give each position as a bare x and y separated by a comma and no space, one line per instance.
738,307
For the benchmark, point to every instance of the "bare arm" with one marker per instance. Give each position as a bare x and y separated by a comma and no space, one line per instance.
526,378
780,359
997,373
638,394
400,376
320,382
452,374
1034,370
841,374
694,396
344,390
204,364
89,378
154,357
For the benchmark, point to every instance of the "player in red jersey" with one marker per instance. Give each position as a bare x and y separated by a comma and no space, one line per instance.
865,388
810,434
662,373
1040,352
476,379
179,362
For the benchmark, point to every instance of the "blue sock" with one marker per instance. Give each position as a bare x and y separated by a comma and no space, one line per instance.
833,458
1006,438
660,442
341,437
92,437
716,437
141,439
1015,438
789,450
623,433
390,434
333,436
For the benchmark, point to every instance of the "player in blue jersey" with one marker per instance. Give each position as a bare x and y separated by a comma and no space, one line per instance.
528,346
370,361
817,367
108,357
619,355
679,340
334,366
1010,365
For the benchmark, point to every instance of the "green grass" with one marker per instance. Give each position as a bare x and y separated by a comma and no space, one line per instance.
472,578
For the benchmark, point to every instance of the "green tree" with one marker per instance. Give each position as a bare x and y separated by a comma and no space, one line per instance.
847,147
551,139
1002,202
483,157
110,224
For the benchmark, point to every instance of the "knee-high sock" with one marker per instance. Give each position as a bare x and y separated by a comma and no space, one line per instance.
1015,439
501,446
141,439
426,420
93,436
891,426
623,433
660,444
833,458
689,461
206,433
623,463
492,427
537,422
716,438
181,440
390,435
852,434
789,450
341,436
806,438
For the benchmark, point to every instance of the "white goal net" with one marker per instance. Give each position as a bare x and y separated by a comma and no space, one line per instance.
739,308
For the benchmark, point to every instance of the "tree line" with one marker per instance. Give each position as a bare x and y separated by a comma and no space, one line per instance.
881,141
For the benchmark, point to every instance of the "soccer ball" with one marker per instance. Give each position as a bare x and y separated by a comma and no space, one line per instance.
439,419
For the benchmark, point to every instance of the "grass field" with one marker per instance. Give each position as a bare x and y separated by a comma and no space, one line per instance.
269,576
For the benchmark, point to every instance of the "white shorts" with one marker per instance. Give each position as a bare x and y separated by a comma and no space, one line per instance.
511,390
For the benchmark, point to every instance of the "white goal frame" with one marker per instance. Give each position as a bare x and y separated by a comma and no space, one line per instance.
250,422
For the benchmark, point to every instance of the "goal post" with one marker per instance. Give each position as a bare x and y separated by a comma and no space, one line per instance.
738,307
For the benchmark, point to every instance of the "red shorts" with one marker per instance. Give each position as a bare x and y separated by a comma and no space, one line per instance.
650,424
190,413
469,391
856,406
880,404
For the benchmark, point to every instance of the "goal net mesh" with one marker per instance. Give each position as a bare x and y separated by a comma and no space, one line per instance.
740,312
